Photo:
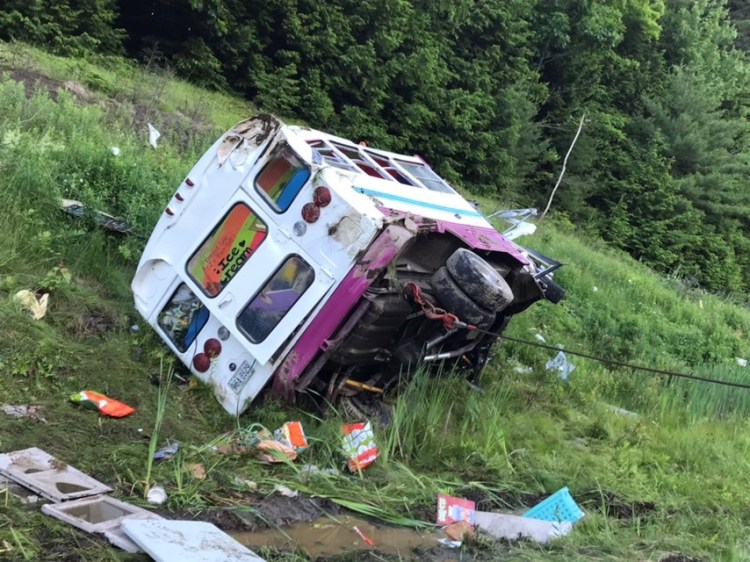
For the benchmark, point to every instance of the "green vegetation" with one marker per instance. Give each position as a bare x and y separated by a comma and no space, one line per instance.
673,479
489,92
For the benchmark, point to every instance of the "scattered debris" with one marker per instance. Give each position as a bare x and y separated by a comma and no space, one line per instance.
362,536
197,470
514,527
107,221
23,411
156,495
30,500
107,406
450,543
153,135
285,491
291,435
115,150
76,498
49,477
524,370
308,470
540,338
187,541
561,364
359,445
249,484
272,451
622,411
560,506
741,362
459,530
100,514
282,446
166,453
37,306
451,509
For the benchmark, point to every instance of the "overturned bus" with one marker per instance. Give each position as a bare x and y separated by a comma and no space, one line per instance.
297,257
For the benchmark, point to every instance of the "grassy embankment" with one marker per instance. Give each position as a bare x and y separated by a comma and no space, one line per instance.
676,478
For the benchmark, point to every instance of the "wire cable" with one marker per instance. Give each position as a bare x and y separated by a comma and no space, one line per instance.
661,372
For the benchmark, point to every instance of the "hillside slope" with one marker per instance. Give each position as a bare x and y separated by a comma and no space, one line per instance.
671,476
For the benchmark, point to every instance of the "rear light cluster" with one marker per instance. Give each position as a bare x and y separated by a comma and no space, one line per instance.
211,350
321,198
179,196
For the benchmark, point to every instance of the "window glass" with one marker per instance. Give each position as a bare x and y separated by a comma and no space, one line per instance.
275,299
282,178
388,167
183,317
426,176
227,249
329,155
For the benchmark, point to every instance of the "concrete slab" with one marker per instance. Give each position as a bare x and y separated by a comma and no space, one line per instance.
186,541
48,476
514,527
100,514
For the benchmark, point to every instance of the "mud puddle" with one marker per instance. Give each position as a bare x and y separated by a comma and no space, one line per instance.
328,536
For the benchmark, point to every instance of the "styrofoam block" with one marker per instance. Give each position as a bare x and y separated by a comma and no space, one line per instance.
186,541
513,527
49,477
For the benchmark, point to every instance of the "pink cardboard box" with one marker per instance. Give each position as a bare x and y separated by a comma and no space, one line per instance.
450,510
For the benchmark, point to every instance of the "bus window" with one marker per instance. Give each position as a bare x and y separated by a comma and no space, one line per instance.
276,298
282,178
183,317
424,174
226,249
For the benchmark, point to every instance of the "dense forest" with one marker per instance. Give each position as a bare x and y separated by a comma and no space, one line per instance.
490,92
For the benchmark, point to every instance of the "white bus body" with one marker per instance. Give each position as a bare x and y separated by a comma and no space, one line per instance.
287,251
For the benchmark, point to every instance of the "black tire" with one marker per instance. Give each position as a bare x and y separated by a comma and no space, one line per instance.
479,280
553,292
359,408
454,300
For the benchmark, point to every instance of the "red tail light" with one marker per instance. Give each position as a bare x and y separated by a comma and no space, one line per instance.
310,212
201,362
170,212
189,182
179,196
212,348
322,196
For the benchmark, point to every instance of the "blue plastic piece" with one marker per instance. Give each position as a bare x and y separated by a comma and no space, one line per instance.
560,506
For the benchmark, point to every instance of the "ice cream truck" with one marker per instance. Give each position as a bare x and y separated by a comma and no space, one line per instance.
297,259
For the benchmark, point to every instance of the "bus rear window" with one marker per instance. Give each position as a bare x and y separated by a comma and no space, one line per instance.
282,178
183,317
275,299
227,249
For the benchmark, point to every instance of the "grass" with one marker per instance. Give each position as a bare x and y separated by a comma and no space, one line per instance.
673,477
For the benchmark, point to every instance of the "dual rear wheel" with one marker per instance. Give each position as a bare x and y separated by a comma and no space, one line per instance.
471,288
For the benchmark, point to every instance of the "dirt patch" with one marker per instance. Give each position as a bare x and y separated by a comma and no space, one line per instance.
271,511
93,323
505,502
34,80
615,507
677,557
